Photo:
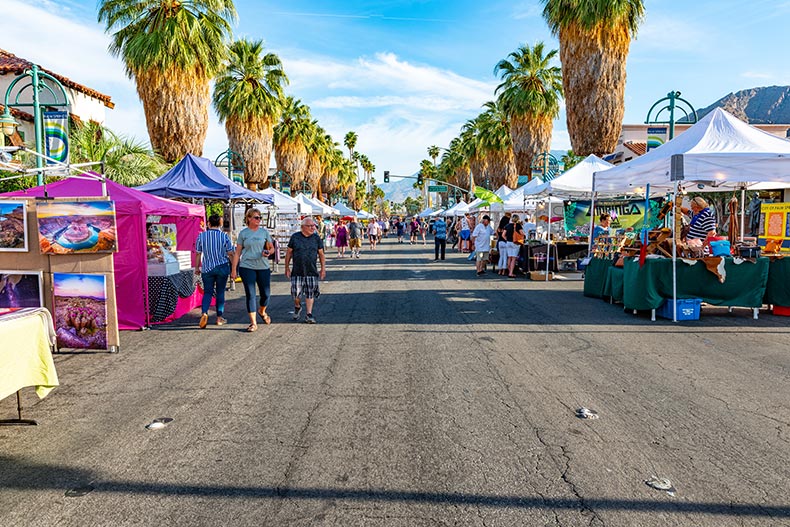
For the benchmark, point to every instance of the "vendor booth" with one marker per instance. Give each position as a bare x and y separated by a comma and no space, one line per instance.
718,153
140,297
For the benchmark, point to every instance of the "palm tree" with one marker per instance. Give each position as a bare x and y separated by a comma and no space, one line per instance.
350,140
530,96
496,144
594,39
249,98
570,160
470,148
433,152
126,161
171,50
291,136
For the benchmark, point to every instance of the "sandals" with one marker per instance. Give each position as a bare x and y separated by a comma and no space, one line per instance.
252,328
266,318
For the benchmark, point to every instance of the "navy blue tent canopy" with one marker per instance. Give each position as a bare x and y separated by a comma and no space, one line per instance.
197,177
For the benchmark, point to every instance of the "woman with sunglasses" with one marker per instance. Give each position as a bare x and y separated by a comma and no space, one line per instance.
251,259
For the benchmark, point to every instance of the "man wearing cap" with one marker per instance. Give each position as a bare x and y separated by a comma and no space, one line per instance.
304,248
481,237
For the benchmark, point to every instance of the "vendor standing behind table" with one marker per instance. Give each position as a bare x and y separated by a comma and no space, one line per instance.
214,253
251,261
602,229
703,222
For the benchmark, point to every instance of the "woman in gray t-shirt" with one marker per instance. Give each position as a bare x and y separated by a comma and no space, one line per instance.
251,260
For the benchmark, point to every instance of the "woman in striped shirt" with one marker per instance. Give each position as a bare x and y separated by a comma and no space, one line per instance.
703,222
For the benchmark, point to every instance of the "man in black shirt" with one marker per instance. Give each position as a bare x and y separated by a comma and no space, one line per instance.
304,248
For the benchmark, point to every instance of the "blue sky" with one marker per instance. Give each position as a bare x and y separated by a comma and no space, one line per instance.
405,75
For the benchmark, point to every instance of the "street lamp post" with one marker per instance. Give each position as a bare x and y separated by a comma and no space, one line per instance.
36,84
673,101
233,162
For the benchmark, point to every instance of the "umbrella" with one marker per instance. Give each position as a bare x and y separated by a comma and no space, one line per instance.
347,218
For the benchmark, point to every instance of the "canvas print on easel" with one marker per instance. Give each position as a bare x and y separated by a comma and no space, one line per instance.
13,226
71,227
20,289
80,310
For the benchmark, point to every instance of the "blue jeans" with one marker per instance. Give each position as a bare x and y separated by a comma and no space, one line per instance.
251,277
214,283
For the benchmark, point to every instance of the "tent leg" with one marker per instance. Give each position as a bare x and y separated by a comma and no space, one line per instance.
592,217
675,190
19,421
548,242
743,213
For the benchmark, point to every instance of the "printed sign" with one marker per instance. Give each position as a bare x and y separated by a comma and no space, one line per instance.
624,213
56,133
656,136
774,222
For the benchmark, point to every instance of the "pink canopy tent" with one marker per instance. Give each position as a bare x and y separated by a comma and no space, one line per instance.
132,209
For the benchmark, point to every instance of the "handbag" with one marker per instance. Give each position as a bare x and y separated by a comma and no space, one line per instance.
519,237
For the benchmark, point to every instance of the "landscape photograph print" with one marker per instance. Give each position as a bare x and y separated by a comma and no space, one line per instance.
80,310
13,226
20,289
71,227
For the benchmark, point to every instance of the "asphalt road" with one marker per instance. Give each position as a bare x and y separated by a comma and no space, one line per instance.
425,396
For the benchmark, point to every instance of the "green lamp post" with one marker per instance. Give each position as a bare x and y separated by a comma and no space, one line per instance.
36,79
234,163
673,101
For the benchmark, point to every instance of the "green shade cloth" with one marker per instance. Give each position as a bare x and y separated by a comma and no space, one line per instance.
646,288
777,292
614,284
595,276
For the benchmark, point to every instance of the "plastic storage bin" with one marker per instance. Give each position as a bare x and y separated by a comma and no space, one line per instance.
688,309
782,311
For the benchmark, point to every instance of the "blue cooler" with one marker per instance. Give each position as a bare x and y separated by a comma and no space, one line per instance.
688,308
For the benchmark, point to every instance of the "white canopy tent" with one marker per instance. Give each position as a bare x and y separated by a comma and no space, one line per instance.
344,210
576,182
425,213
285,204
503,192
365,215
718,152
319,207
305,207
451,211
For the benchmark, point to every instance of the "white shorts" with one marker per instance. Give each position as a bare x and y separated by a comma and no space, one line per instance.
512,250
481,256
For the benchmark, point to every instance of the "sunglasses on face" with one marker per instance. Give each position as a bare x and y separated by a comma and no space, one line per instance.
255,217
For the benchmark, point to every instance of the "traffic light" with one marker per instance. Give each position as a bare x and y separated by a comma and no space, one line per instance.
386,176
419,178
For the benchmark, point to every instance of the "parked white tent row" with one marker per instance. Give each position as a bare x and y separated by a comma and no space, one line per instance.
285,204
576,182
318,207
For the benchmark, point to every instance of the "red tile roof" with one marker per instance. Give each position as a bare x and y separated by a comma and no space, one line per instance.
19,114
637,147
10,63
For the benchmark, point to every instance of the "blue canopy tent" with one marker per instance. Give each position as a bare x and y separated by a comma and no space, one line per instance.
197,178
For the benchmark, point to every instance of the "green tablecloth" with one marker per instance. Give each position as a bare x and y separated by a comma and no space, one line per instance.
777,292
646,288
595,276
613,285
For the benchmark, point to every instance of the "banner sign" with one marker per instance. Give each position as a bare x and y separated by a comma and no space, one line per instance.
625,214
56,136
774,222
656,136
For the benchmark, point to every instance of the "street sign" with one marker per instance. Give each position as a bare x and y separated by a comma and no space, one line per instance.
437,188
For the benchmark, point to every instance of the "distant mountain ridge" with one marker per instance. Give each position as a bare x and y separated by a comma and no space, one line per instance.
766,105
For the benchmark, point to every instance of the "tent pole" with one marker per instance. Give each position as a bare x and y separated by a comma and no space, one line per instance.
743,212
592,216
548,241
675,190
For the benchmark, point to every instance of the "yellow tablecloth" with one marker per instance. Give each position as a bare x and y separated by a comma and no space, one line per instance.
25,353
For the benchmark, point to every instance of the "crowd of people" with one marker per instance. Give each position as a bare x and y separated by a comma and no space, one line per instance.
251,257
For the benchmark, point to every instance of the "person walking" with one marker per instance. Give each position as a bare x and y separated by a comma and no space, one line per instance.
423,230
514,236
481,237
501,244
354,237
439,238
400,227
341,238
374,232
414,229
251,262
464,233
304,248
214,253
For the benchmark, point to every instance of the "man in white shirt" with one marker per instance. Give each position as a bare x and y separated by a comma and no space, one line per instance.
481,237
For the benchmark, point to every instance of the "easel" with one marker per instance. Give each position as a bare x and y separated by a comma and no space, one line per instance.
18,421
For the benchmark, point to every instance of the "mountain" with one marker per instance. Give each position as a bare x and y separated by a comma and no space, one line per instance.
397,191
767,105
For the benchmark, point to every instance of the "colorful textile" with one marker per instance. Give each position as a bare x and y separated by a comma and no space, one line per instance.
26,356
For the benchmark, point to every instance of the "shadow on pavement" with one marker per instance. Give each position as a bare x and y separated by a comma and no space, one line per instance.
25,475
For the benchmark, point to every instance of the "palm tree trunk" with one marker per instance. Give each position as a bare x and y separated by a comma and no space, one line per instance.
593,79
531,135
291,158
252,138
176,110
